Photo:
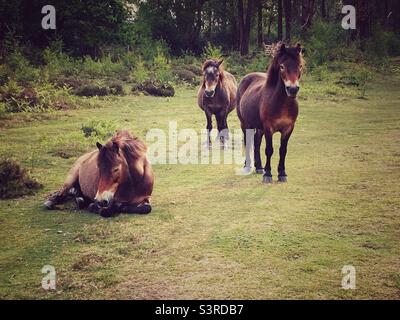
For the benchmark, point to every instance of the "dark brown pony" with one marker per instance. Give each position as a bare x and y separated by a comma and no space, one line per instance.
267,104
117,177
217,96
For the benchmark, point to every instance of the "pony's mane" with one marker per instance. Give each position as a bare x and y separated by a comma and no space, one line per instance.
273,69
129,144
213,63
133,148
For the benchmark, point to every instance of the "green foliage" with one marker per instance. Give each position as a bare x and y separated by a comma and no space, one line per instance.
321,72
91,90
15,181
162,68
20,68
99,130
140,73
323,39
212,52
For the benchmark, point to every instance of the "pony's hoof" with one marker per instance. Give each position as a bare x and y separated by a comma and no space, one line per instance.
267,179
92,208
259,171
105,212
145,209
282,178
80,203
49,205
245,171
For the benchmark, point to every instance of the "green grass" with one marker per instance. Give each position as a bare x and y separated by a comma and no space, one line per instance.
213,234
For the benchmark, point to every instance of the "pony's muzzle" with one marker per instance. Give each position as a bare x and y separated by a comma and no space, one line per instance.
292,90
209,93
103,203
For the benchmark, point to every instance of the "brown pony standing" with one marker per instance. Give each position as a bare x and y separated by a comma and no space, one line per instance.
267,103
217,96
115,178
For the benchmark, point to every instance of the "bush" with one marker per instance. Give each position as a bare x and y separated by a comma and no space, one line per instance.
140,73
91,90
162,68
154,89
185,75
212,52
323,39
20,68
14,181
99,129
116,88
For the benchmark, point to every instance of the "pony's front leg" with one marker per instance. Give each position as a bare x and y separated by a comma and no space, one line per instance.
282,177
257,157
143,208
209,127
223,133
269,150
59,197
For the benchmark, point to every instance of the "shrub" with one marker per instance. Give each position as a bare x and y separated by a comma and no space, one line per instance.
14,181
116,88
99,129
162,68
91,90
140,73
185,75
20,68
154,89
323,39
212,52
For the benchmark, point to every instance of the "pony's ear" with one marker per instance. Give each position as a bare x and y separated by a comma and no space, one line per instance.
220,62
115,147
282,48
99,145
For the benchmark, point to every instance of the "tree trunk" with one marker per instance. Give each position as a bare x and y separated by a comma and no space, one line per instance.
280,20
245,25
323,10
288,18
260,39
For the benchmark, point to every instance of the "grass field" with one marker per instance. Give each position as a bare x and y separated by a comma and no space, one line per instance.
213,234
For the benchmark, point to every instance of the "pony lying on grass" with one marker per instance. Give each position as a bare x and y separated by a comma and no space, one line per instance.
116,178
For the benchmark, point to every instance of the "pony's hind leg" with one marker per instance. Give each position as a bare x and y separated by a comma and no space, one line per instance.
257,156
269,150
144,208
69,190
282,177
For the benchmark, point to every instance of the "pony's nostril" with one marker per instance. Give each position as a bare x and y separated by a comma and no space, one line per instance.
104,203
293,90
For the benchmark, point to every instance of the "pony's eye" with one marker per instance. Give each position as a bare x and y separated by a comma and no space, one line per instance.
115,170
282,67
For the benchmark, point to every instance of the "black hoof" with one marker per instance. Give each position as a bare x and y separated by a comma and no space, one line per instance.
93,208
106,212
80,202
282,178
259,171
49,205
267,179
130,209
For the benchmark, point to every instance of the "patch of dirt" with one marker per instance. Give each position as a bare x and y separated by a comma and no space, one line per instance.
88,261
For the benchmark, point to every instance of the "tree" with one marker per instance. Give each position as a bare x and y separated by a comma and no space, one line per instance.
280,20
244,17
288,18
260,39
